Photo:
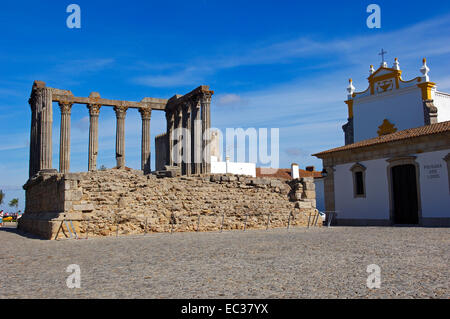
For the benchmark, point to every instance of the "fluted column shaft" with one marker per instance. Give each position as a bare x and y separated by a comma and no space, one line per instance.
146,115
178,137
187,145
187,167
94,112
45,122
206,125
170,128
120,136
196,138
64,137
208,130
33,139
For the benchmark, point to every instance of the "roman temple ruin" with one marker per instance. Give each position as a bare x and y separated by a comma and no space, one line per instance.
181,195
189,112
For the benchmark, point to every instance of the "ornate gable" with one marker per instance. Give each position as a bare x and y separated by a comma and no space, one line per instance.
386,79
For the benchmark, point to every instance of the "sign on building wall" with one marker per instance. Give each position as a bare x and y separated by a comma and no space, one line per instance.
433,171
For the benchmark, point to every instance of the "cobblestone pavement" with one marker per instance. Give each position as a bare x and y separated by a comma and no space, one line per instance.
299,263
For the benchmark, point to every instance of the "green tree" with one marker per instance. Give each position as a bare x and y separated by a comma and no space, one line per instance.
14,203
2,197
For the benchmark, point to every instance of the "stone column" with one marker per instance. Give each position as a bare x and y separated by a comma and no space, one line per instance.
120,135
170,128
45,122
146,115
196,137
187,139
36,103
33,139
178,136
182,140
94,111
64,137
206,125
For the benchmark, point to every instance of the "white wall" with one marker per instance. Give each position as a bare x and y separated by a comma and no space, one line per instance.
442,102
248,169
434,188
376,203
404,108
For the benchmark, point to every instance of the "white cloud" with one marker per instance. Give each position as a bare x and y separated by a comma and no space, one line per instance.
14,141
296,152
76,67
82,124
188,76
229,99
443,84
427,38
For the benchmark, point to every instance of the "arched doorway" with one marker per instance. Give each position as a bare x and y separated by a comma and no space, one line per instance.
405,195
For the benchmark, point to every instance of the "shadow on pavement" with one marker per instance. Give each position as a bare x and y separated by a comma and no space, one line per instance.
12,228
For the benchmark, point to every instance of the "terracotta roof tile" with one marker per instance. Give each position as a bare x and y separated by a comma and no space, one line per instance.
397,136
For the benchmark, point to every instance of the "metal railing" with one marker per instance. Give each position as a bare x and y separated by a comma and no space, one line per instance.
329,217
189,223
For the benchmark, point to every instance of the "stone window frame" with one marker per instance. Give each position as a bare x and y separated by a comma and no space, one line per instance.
359,168
399,161
447,160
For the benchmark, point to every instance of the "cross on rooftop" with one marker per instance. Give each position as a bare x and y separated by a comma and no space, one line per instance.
382,55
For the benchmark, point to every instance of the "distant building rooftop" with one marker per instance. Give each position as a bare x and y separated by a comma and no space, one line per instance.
285,173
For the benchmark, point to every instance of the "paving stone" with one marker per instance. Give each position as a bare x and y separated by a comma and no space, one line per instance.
299,263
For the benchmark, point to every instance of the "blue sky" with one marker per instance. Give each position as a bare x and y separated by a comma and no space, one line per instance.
282,64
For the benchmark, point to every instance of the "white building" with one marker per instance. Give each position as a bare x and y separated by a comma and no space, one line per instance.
227,167
395,168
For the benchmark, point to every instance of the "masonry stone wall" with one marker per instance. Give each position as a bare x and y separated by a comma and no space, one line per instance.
120,202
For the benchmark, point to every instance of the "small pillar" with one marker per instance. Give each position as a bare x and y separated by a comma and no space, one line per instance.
64,137
120,135
146,115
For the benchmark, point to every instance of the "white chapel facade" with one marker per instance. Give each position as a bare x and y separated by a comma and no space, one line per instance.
392,104
395,166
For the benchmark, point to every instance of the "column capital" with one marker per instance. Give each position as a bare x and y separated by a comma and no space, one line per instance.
121,111
94,109
65,107
146,113
38,89
206,97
